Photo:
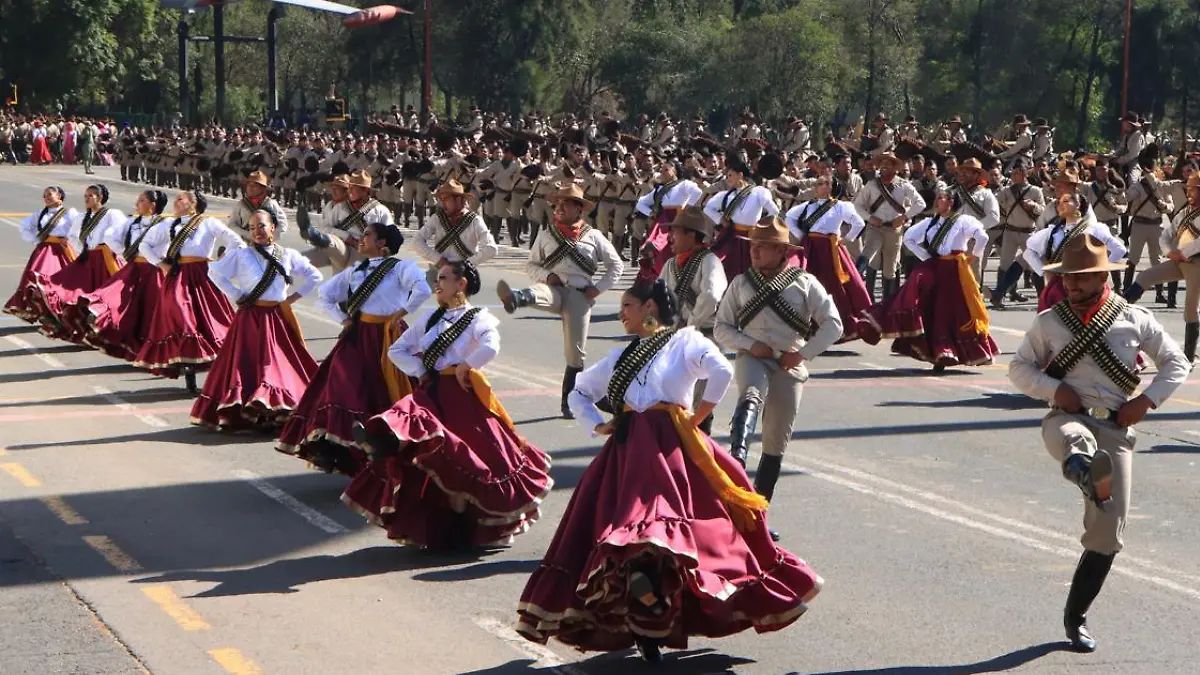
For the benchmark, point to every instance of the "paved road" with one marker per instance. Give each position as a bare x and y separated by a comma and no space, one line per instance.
130,541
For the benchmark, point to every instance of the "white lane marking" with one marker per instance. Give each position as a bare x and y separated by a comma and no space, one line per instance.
10,222
1194,433
938,381
298,507
1057,544
315,316
543,657
45,358
146,418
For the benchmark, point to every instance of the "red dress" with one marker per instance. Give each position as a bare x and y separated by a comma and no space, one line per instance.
50,254
58,294
117,315
462,474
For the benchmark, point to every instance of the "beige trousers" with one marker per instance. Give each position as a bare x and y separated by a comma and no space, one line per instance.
415,193
1168,271
576,312
338,255
1144,235
1066,434
604,218
620,216
778,391
881,246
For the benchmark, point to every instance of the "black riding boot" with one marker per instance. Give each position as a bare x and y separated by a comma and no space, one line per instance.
870,282
567,386
765,479
189,380
515,225
1134,292
1116,279
1172,294
706,425
1085,586
1039,284
1159,296
1130,274
1007,282
741,428
1191,333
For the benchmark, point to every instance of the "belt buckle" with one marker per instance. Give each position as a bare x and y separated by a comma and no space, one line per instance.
1102,414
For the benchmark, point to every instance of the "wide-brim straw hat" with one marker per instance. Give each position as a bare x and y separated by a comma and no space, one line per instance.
360,178
692,218
258,178
971,164
450,188
1084,254
340,180
570,192
889,158
770,230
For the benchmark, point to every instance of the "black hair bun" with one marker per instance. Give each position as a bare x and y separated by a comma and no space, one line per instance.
101,191
201,202
159,199
471,274
62,194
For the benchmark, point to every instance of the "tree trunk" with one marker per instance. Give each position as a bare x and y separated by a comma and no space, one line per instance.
1086,99
872,20
977,68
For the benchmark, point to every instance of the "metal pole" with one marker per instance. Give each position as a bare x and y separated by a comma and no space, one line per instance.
427,84
219,43
185,103
272,88
1125,75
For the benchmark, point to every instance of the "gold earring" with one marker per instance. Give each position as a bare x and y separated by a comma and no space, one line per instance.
650,323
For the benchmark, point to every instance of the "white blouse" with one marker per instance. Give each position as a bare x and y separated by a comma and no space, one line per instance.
749,212
965,229
684,193
831,223
1035,246
39,218
670,377
99,232
476,347
210,234
130,229
404,288
238,273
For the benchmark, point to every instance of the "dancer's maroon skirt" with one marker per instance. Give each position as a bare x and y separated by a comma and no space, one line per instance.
119,313
644,499
40,152
348,388
59,294
851,296
461,475
189,325
657,248
1053,292
929,319
46,259
259,376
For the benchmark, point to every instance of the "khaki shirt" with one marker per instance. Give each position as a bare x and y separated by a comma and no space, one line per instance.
1011,211
1107,200
811,301
708,285
1142,196
592,244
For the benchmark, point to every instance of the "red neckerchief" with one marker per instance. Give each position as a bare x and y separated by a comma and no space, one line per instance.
571,231
357,205
682,258
1091,312
256,201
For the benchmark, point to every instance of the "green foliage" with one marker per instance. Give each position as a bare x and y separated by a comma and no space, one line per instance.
983,59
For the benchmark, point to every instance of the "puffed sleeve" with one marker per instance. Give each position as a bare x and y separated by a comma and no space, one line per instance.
332,292
706,362
590,386
403,352
485,340
305,276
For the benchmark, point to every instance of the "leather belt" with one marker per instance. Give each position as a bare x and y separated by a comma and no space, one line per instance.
1147,220
1102,414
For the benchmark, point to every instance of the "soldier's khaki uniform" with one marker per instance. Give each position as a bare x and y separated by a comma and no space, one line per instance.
1016,223
1148,201
881,243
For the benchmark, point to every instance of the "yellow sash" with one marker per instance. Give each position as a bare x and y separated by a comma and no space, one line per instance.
110,260
398,384
836,252
289,316
190,259
64,245
744,506
966,276
483,391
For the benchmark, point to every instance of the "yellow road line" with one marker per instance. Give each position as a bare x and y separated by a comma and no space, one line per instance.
21,474
234,662
13,215
185,616
112,553
3,452
64,512
1194,404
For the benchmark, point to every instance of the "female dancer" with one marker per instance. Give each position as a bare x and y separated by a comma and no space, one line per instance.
449,466
357,380
118,314
818,225
1073,217
663,538
47,230
58,294
193,316
938,315
263,367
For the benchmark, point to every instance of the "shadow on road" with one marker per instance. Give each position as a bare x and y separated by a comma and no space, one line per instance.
12,378
18,329
689,662
875,373
285,576
54,349
481,570
999,664
189,435
155,394
1172,449
994,401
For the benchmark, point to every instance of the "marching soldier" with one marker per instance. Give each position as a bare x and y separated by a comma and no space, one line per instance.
454,234
697,279
1081,357
1182,242
777,318
257,198
1106,194
978,201
1021,204
887,203
343,221
1148,201
563,264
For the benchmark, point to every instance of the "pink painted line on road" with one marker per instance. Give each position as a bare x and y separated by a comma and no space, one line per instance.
106,411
